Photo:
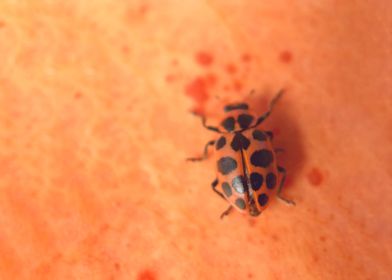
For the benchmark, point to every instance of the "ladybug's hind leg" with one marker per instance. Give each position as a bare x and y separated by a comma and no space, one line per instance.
226,212
213,185
283,172
205,153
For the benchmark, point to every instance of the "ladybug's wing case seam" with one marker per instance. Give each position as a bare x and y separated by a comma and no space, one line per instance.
231,175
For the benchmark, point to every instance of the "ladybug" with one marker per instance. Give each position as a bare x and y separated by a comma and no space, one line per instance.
247,171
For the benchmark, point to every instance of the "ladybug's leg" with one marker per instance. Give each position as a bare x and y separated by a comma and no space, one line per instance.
213,185
271,106
226,212
204,123
283,172
205,153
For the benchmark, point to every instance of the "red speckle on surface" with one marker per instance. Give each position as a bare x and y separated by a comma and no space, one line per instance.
237,85
276,131
197,90
77,95
117,266
286,56
125,49
252,222
170,78
174,62
246,57
315,177
226,88
146,275
288,181
250,275
143,9
275,237
204,58
231,68
2,23
211,79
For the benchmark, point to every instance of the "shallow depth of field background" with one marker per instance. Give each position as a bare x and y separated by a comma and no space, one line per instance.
95,126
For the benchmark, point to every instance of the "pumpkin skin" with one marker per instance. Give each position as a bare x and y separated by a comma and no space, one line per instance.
91,103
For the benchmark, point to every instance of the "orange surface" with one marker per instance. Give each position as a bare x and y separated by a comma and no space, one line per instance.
95,126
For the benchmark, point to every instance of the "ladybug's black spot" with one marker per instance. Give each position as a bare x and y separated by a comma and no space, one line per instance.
240,203
226,165
228,123
244,120
271,180
256,180
262,158
262,199
220,143
238,184
259,135
226,189
238,106
240,142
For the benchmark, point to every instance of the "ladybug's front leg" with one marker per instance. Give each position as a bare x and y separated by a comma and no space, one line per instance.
205,153
283,172
271,106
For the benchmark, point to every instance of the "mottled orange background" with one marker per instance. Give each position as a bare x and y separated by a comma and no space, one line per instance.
95,126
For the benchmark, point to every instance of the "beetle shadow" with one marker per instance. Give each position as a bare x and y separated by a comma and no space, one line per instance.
287,135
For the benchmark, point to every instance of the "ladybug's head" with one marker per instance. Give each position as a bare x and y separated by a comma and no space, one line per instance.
237,118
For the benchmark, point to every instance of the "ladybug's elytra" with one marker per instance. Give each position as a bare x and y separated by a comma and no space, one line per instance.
247,171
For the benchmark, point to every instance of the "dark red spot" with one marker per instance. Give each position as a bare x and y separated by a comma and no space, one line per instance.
117,266
146,275
250,275
246,57
2,24
174,62
237,85
125,49
143,9
204,58
323,238
275,238
288,181
226,88
210,79
197,90
315,177
231,68
252,222
285,56
315,258
77,95
276,131
170,78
